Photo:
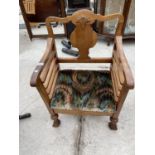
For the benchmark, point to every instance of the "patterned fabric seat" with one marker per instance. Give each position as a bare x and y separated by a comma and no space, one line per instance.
84,90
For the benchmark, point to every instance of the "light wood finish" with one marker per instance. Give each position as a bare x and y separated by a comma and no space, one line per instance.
116,76
87,60
117,67
84,37
124,63
43,94
114,89
49,72
79,15
53,86
122,70
115,84
29,6
47,67
46,73
51,80
82,112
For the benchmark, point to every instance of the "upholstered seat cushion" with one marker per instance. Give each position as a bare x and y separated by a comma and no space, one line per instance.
84,90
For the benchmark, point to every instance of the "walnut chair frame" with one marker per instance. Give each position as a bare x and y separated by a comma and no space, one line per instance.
83,37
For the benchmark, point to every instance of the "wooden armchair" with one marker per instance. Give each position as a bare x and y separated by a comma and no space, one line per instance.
83,92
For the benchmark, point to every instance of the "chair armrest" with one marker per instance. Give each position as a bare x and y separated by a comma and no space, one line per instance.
123,61
39,67
35,74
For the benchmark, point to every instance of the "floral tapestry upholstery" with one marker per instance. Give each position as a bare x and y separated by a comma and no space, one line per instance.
84,90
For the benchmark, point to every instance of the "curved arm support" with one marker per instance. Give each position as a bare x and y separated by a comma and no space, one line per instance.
39,67
124,63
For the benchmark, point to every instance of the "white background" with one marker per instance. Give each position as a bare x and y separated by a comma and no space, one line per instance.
144,78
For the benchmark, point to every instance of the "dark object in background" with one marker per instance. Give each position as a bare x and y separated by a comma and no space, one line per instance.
70,52
27,115
68,49
69,28
78,3
74,5
52,24
43,9
67,44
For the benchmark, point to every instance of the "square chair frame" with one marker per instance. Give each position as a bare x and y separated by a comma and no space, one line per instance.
83,37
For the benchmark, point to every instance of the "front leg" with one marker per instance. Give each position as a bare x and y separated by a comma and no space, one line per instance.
54,116
113,123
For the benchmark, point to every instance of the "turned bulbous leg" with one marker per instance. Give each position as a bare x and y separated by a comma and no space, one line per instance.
56,122
113,123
